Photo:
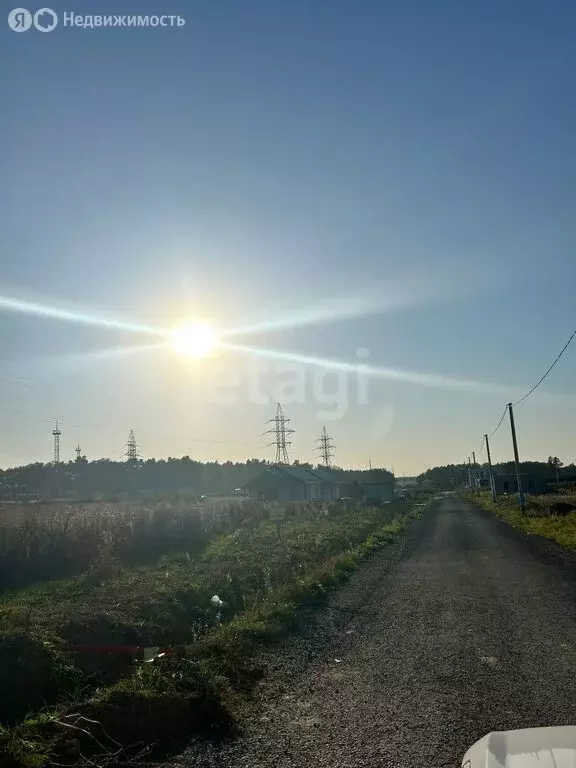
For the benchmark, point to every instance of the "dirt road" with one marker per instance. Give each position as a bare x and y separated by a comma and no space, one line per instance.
471,628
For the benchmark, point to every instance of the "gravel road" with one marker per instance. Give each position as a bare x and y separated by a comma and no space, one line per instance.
469,627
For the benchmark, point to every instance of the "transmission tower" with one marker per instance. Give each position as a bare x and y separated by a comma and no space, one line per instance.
326,448
78,452
56,434
280,430
131,446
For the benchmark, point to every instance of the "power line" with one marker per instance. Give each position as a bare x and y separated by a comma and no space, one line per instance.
39,418
564,348
18,382
500,422
479,451
37,384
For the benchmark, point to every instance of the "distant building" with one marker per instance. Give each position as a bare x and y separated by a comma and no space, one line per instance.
373,486
406,482
284,483
289,483
408,486
332,486
532,482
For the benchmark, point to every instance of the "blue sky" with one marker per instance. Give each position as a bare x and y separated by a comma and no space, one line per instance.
409,165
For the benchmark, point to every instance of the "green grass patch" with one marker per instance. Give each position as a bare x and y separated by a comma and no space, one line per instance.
539,518
264,572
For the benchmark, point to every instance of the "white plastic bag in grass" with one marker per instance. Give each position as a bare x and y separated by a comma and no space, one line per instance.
152,653
216,602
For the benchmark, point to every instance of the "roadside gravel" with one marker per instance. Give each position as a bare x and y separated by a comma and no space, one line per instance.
467,627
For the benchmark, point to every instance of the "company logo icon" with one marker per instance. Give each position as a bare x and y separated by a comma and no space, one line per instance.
45,20
20,20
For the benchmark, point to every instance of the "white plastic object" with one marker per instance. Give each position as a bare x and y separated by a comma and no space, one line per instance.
524,748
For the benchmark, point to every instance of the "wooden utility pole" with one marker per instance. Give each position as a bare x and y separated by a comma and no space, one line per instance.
469,473
490,475
516,460
476,474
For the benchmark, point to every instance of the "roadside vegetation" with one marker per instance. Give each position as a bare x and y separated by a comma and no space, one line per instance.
552,516
45,542
201,590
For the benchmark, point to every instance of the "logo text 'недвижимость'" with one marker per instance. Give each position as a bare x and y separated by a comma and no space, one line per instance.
45,20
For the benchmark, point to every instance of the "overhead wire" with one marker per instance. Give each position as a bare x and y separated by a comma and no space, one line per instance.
499,423
479,451
65,422
521,400
564,348
35,384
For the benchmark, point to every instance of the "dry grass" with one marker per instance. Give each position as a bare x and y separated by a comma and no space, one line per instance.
44,542
262,570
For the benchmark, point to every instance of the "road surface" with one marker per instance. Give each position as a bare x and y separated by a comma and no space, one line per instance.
471,628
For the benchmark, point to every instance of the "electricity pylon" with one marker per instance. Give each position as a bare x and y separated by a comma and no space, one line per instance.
280,430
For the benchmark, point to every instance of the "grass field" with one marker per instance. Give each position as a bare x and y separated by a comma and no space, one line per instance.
146,577
540,517
40,542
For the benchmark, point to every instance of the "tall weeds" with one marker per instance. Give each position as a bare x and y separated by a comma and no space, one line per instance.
40,543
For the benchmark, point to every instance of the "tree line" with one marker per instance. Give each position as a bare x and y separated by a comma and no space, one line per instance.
92,479
104,478
456,475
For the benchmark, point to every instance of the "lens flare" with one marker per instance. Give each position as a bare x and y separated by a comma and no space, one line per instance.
22,306
429,380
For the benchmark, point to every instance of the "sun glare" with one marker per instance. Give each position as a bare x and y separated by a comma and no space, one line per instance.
193,340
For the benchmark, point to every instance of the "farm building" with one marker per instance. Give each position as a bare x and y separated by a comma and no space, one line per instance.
370,486
331,487
532,482
284,483
289,483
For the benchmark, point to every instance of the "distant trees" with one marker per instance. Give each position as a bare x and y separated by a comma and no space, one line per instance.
555,465
456,475
445,478
89,479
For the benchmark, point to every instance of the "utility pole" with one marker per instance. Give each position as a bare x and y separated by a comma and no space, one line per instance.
490,475
516,460
469,473
326,448
476,476
280,431
56,434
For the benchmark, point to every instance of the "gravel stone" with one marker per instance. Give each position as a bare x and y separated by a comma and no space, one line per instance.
466,627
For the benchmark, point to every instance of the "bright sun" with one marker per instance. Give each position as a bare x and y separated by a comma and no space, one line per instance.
193,339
